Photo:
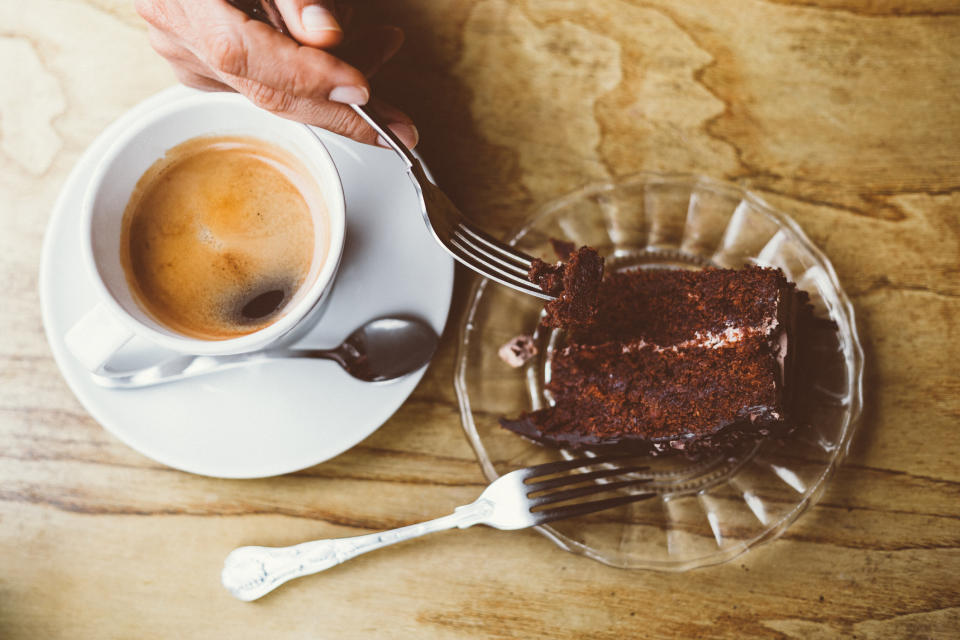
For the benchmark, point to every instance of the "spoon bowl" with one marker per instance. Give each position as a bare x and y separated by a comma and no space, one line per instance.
387,348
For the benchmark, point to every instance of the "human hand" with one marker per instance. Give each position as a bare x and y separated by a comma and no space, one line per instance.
215,47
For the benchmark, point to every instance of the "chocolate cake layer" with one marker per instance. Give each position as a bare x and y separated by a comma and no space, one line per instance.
666,306
689,360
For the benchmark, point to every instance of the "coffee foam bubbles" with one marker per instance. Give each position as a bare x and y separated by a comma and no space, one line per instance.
215,224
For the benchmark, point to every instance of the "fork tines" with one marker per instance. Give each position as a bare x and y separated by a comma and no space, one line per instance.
492,258
546,501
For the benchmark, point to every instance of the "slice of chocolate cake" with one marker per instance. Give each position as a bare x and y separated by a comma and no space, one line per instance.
575,283
690,360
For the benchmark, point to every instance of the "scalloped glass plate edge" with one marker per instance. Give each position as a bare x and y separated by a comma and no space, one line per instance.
854,370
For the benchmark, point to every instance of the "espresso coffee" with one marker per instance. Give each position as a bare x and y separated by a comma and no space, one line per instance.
219,236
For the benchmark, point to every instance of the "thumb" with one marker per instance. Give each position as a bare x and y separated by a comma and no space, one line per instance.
312,22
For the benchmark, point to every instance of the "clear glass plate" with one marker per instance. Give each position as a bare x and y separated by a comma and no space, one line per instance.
713,510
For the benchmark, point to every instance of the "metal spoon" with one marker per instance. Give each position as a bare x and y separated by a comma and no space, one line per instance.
381,350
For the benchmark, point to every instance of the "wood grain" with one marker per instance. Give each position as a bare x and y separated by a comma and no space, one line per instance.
843,112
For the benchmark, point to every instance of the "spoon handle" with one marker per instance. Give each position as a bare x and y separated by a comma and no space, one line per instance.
184,367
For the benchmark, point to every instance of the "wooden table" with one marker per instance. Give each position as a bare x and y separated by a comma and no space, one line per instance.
844,113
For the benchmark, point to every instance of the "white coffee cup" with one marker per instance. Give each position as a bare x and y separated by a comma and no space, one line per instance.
118,318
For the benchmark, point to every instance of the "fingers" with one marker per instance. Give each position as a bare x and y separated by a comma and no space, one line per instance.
197,81
312,22
307,84
407,133
398,122
214,46
251,55
173,50
162,15
344,121
186,66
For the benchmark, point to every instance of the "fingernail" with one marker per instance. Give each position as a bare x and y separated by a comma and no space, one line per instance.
350,95
315,17
407,133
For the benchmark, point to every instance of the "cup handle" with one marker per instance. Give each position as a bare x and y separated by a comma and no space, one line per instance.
96,337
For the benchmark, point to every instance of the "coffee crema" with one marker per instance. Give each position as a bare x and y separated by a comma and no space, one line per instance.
219,236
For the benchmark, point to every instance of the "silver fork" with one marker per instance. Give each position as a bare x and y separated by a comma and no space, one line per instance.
509,502
469,245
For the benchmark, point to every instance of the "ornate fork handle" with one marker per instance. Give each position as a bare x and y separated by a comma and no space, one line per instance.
252,572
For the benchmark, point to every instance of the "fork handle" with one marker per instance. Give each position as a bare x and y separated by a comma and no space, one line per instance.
389,136
252,572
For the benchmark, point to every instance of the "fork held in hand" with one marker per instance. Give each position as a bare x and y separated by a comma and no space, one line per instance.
469,245
472,247
251,572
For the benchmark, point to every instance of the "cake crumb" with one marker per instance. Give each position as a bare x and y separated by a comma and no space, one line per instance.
518,351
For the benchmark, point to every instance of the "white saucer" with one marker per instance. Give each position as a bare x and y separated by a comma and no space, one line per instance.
276,417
